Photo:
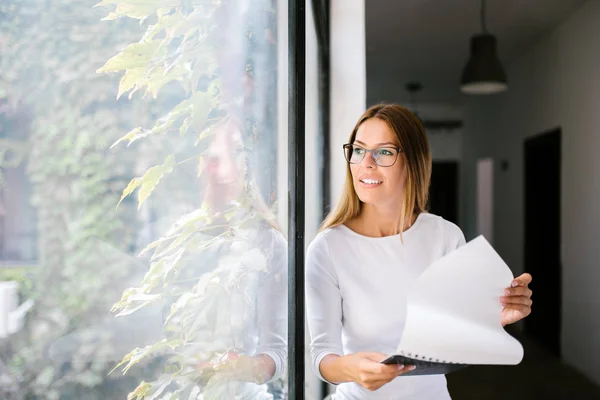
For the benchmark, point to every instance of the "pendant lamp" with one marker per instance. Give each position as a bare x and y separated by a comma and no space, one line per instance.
483,73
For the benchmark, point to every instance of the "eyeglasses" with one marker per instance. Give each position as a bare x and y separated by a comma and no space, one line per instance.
383,156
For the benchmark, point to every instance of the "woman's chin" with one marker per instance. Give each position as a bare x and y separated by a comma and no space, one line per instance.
370,199
218,202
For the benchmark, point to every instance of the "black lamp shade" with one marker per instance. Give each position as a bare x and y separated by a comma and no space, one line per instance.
483,73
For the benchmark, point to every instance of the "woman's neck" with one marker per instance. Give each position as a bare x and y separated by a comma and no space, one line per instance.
377,222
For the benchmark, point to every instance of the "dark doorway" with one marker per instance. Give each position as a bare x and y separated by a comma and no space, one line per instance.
443,193
542,237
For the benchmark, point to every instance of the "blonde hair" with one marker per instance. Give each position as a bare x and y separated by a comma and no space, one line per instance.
417,157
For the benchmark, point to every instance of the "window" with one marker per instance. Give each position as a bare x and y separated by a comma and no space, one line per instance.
156,181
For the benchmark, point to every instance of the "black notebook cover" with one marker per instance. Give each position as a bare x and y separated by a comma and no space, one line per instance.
423,367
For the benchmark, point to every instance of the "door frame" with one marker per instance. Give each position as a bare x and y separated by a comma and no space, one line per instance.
529,142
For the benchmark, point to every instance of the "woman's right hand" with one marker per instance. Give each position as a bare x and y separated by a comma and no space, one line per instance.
370,373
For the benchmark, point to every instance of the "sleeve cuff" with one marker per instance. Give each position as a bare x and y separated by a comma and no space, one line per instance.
278,360
317,363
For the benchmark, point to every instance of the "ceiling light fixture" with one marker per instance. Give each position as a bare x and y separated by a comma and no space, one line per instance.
483,73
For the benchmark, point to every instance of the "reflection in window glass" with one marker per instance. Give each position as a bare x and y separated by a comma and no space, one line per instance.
147,181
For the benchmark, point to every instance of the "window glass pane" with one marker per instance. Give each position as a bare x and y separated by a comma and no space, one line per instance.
313,171
142,251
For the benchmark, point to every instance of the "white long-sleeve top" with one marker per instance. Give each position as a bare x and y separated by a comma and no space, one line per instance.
356,289
249,304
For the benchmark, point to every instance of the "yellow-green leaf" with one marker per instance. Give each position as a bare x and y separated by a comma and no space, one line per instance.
136,11
133,299
158,387
203,136
132,136
202,107
154,244
137,354
133,184
188,231
140,392
161,77
153,276
152,177
130,79
168,265
185,126
200,167
165,21
164,123
185,105
136,55
182,301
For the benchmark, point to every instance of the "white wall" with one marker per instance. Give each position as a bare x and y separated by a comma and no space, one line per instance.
446,145
313,205
348,81
556,83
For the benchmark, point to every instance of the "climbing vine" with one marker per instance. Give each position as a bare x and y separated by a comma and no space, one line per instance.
170,74
206,267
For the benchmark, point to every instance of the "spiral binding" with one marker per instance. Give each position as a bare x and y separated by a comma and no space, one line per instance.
425,358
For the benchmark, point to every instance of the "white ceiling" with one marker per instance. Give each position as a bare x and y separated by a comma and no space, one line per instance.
428,40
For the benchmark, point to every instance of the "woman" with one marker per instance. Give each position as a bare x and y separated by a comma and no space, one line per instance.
236,280
370,250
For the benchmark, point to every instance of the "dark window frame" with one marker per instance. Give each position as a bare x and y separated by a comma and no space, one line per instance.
296,133
296,169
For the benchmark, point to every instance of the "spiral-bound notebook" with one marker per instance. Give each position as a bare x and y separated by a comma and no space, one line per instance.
453,314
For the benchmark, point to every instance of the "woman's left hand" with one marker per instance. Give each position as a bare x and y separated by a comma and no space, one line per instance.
516,300
239,367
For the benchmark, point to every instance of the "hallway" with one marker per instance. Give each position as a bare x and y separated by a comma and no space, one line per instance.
540,376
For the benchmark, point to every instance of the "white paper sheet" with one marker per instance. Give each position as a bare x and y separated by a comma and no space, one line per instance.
454,310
